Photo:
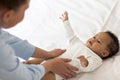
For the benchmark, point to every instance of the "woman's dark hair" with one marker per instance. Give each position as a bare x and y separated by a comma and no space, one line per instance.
113,47
11,4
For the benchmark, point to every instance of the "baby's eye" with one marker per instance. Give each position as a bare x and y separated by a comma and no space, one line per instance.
99,41
94,37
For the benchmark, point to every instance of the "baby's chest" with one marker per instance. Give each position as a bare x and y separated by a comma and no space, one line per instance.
75,50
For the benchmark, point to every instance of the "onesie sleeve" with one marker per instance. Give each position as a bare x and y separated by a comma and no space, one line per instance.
73,38
94,63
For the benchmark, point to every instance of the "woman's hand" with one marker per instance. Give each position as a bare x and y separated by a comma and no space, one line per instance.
61,67
43,54
56,52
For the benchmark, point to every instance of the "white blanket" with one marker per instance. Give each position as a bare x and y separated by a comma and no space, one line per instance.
43,28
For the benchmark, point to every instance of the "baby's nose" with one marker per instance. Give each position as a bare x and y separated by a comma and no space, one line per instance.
92,41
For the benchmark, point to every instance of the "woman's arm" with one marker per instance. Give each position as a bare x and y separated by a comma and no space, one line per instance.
40,53
34,61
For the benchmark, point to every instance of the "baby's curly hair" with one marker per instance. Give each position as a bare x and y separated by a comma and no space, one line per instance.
113,47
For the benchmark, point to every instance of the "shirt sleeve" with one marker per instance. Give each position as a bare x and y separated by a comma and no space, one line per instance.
21,47
69,30
12,69
70,33
94,61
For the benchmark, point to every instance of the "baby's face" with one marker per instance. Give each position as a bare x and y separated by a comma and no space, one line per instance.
98,43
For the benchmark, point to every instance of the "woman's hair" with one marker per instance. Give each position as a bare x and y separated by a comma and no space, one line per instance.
11,4
113,47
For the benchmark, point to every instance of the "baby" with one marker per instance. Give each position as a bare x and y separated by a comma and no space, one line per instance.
89,56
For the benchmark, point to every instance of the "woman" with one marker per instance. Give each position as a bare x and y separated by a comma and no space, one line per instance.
11,13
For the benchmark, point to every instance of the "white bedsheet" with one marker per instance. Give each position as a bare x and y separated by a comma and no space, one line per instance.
43,28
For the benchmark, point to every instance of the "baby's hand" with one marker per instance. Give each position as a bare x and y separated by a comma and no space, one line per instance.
83,61
64,16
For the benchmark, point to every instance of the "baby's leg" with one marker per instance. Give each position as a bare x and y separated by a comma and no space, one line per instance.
49,76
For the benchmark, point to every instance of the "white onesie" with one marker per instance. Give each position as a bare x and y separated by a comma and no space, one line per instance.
77,48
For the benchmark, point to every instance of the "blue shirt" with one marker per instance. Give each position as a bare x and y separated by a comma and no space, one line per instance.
11,68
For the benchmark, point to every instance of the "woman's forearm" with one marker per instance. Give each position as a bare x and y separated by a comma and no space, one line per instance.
40,53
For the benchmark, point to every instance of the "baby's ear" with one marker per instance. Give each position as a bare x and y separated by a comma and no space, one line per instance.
105,53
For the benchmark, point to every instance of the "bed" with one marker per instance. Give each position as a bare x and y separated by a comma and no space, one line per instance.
43,28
